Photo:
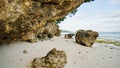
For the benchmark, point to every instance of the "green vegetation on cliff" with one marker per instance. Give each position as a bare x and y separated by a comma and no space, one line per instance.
70,15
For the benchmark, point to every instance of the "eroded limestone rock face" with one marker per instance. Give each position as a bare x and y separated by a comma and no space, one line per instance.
54,59
48,31
22,19
86,38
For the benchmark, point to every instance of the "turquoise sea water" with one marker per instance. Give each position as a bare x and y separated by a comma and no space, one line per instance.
114,36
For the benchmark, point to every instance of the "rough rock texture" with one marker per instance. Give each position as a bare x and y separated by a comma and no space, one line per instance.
86,38
54,59
48,31
69,36
22,19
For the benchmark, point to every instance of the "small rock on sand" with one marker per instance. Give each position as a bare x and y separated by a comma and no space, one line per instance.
25,52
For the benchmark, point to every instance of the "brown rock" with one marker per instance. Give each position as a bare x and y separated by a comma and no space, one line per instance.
48,31
22,19
69,36
86,38
54,59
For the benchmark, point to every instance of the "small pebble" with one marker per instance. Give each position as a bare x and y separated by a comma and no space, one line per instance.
86,51
79,52
111,48
102,58
110,57
20,59
25,52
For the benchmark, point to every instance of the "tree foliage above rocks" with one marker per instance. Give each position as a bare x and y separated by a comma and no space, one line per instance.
70,14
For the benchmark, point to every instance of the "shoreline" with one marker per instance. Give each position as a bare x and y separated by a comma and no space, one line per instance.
78,56
108,41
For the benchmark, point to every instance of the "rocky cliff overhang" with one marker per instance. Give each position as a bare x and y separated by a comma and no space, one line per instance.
23,19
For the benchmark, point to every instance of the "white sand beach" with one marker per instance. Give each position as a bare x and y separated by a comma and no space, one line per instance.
78,56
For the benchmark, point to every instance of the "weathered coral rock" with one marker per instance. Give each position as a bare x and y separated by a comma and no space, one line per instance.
48,31
86,38
22,19
69,36
54,59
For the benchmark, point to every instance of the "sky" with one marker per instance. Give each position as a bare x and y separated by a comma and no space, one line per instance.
98,15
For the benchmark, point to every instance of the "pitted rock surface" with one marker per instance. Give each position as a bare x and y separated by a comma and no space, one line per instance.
22,19
54,59
86,38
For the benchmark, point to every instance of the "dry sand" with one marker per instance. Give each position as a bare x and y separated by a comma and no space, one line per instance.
21,54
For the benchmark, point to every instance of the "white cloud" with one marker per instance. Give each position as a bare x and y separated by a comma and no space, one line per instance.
115,2
101,22
102,18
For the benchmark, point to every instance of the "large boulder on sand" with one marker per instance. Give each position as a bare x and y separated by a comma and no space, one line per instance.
86,38
54,59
